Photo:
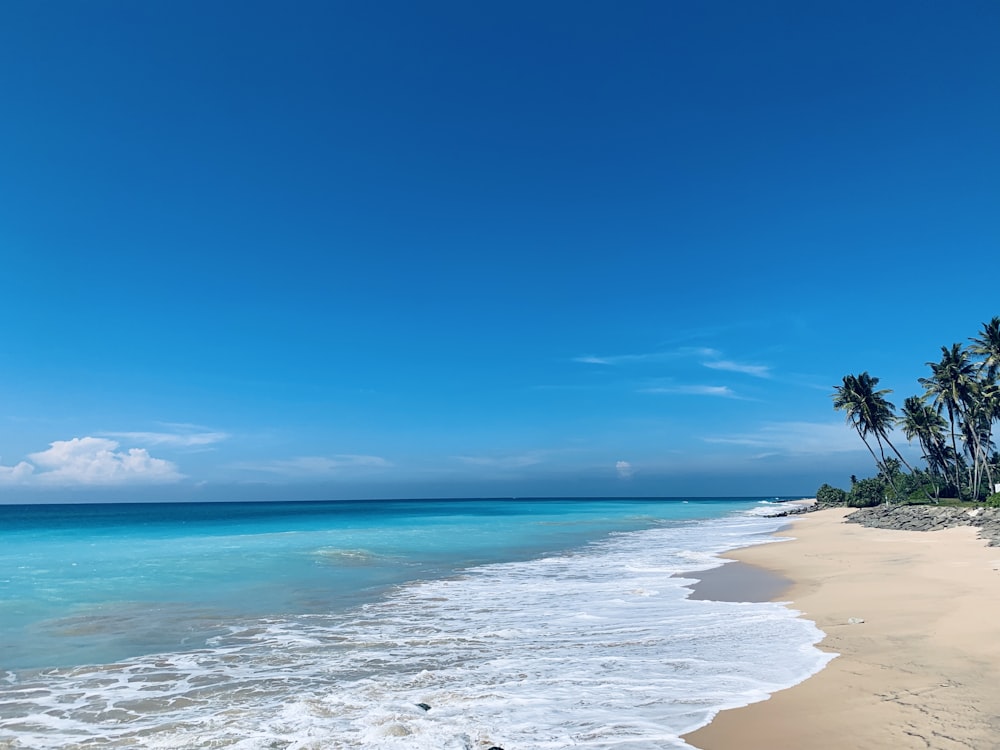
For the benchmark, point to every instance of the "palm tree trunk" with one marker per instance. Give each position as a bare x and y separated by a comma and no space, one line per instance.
976,449
896,451
954,447
885,468
879,464
925,453
984,451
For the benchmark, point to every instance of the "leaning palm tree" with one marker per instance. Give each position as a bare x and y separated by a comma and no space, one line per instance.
987,346
950,387
869,412
921,421
982,412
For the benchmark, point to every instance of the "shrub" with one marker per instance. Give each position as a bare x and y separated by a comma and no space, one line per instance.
867,492
993,501
831,495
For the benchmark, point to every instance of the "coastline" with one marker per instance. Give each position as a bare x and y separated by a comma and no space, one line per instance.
738,582
919,672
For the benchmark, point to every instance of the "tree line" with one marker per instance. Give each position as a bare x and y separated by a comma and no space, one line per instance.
952,421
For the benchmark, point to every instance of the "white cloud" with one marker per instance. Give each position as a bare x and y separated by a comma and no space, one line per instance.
713,359
89,461
180,440
17,474
506,465
502,462
175,434
757,371
627,359
795,438
306,466
624,469
722,391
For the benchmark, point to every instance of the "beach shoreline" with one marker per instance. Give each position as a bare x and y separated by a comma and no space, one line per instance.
915,622
737,582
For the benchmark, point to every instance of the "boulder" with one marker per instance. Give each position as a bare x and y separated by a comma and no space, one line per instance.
930,518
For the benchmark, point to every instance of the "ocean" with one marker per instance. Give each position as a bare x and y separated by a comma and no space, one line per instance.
448,624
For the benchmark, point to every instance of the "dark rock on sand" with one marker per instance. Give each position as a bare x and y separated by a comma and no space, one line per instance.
930,518
792,510
822,506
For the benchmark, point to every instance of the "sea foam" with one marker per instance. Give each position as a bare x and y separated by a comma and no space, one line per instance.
597,648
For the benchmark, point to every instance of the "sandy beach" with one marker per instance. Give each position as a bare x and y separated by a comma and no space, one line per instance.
920,671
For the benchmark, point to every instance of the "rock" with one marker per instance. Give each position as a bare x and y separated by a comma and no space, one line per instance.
930,518
793,509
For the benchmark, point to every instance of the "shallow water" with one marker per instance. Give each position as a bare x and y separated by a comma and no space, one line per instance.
529,625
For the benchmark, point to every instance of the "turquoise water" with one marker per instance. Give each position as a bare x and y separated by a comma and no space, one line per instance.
135,625
98,583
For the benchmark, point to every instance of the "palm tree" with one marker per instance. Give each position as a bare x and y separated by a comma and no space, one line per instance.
922,422
982,412
987,346
950,387
870,413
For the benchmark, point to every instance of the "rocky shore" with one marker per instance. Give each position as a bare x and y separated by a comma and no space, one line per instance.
930,518
795,509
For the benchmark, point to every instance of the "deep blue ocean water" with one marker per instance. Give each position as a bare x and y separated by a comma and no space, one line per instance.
535,623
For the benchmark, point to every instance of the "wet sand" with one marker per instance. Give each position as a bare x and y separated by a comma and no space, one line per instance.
738,582
921,671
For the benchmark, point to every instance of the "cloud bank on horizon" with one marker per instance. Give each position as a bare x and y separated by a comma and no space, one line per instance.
97,462
90,461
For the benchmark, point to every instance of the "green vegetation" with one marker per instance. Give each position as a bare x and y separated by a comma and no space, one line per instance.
868,492
952,421
831,495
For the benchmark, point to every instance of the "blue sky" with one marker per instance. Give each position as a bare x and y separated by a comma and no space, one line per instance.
322,250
